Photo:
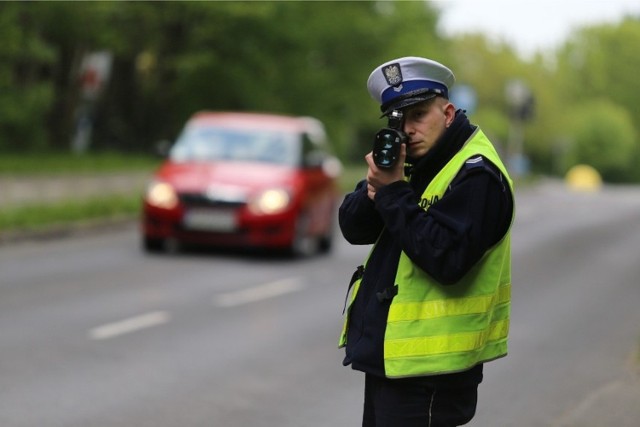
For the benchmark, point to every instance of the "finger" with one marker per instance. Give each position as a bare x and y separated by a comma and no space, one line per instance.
370,176
402,157
369,159
371,191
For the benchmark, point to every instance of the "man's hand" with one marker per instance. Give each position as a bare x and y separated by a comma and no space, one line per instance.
377,177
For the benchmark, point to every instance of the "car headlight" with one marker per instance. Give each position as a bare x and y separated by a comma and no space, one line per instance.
270,201
162,195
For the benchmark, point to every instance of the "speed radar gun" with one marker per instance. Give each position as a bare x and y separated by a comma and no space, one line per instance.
386,146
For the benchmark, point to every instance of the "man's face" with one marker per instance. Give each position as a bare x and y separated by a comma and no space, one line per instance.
425,122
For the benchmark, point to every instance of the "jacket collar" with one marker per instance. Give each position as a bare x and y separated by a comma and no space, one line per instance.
452,140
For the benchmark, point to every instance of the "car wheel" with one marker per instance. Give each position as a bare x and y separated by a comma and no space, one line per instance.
303,245
153,245
325,244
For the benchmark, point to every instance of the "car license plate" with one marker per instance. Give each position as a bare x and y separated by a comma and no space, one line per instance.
210,220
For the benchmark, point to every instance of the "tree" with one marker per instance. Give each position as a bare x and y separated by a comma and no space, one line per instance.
173,58
603,136
600,63
26,92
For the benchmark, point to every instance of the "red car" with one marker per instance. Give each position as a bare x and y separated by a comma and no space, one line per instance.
245,180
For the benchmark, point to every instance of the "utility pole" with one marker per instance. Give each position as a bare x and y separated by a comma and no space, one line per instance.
521,108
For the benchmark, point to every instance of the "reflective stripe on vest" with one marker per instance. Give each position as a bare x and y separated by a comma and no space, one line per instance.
423,310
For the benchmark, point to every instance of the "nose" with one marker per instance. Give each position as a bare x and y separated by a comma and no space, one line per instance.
408,128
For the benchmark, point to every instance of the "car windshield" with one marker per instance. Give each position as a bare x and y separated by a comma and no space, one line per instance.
200,143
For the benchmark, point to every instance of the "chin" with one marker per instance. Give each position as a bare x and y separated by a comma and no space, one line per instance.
416,154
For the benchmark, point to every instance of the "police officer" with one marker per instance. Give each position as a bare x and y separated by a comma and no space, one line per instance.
431,302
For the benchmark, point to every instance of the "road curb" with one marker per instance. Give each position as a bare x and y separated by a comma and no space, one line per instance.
67,230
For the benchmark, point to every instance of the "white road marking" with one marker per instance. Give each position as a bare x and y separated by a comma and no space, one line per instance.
129,325
258,293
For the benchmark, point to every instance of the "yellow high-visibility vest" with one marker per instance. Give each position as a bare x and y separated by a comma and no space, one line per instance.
434,328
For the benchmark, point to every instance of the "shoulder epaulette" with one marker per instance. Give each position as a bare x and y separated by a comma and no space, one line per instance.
478,164
475,162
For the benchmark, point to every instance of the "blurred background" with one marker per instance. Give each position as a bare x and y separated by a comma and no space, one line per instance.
120,76
96,86
97,333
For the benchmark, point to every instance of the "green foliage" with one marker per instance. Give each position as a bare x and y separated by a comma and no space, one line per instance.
495,125
602,62
306,58
597,62
60,163
173,58
25,93
603,137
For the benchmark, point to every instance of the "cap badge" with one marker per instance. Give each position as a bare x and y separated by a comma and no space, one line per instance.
392,74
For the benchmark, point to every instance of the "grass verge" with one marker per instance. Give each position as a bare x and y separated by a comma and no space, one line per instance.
67,164
42,216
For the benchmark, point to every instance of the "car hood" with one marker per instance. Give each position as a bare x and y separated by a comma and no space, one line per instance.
199,177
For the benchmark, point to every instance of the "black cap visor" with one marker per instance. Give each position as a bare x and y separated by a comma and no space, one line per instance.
407,100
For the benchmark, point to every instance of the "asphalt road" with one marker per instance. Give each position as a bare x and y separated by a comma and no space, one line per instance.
94,333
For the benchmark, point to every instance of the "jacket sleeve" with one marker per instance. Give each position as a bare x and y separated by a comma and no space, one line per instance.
359,221
454,233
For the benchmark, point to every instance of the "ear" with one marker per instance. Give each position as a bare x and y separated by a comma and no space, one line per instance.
449,113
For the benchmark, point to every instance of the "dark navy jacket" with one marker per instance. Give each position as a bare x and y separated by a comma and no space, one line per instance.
445,241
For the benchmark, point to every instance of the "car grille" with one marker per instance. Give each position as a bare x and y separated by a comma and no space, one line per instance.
202,200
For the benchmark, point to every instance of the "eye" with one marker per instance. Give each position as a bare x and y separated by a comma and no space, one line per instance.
418,114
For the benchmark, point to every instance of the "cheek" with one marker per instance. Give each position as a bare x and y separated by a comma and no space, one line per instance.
432,128
438,125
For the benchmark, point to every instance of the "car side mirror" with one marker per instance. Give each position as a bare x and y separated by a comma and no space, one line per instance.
162,148
332,166
314,159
